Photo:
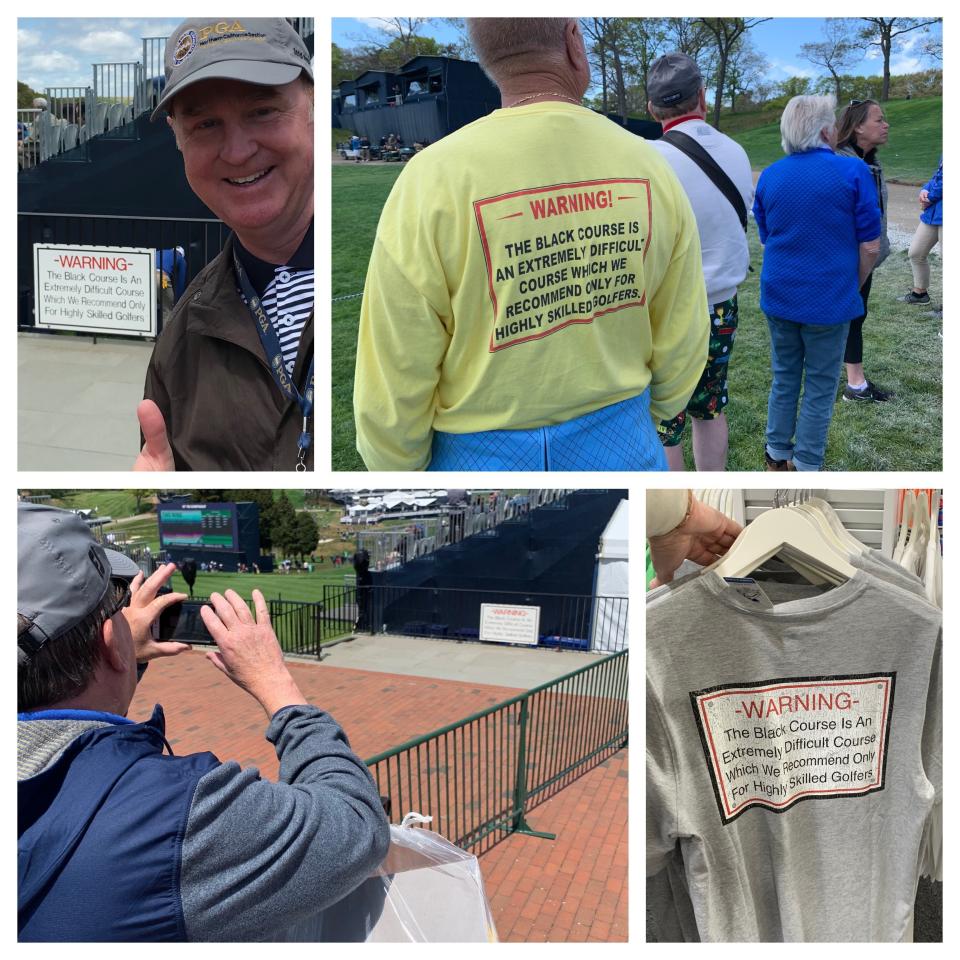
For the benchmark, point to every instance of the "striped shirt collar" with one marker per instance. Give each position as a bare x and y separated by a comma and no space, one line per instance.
261,273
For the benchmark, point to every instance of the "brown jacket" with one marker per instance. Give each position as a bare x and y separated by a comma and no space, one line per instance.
210,378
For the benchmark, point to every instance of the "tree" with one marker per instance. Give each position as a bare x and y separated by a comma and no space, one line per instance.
794,87
883,32
283,522
25,96
207,496
607,36
140,496
746,68
305,533
835,53
726,31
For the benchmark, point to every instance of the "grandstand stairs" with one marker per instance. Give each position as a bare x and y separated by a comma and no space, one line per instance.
133,170
550,549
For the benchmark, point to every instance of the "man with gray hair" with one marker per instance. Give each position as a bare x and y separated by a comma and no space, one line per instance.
118,841
230,382
716,175
534,298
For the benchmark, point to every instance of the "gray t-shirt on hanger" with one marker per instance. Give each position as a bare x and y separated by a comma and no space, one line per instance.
793,754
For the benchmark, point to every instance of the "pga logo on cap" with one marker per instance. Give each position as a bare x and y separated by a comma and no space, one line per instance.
186,44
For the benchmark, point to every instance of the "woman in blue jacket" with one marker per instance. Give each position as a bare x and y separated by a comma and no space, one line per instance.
929,234
819,221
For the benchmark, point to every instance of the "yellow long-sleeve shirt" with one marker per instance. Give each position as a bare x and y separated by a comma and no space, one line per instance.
534,266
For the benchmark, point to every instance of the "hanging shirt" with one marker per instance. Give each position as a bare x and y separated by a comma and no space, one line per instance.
286,291
793,757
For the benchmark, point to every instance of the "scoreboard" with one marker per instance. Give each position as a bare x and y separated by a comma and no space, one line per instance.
199,526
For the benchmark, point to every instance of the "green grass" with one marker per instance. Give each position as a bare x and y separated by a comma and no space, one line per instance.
902,350
911,155
902,353
107,503
359,192
306,587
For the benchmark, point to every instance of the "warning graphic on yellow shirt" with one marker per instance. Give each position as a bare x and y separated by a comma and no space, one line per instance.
564,254
776,742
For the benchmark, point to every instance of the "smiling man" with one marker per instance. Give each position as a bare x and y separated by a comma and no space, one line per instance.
230,383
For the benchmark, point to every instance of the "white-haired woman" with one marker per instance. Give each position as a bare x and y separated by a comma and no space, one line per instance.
819,221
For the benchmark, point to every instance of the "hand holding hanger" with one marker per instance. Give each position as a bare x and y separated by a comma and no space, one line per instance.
703,535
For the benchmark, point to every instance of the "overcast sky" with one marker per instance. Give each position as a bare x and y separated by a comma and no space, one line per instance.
778,39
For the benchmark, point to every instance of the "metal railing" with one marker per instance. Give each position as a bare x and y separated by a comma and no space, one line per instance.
28,138
120,84
68,103
479,777
569,621
153,75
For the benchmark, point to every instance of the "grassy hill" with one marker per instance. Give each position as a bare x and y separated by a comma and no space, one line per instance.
910,156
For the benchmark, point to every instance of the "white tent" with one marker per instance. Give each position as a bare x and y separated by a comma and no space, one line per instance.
612,583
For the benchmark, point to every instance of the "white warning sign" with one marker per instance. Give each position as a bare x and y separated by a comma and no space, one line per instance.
776,742
95,289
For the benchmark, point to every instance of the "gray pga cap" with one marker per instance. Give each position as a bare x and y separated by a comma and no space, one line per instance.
672,79
63,574
265,51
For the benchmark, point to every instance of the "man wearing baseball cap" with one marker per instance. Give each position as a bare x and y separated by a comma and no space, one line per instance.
230,383
118,839
716,176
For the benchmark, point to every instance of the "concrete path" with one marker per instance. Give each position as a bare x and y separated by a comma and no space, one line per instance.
77,402
453,660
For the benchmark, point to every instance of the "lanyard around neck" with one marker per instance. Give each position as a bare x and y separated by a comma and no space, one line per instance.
274,354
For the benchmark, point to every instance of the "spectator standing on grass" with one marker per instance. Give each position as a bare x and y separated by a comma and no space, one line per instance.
861,131
190,848
720,188
536,306
819,221
929,234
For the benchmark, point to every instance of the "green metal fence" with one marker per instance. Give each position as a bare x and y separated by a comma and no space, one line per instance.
478,778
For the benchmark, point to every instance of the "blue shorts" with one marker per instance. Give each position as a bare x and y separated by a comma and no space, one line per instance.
619,437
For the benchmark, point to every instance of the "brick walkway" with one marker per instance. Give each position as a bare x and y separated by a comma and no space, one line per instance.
205,711
572,888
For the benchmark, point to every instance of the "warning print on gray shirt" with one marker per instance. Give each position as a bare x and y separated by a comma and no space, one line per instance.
776,742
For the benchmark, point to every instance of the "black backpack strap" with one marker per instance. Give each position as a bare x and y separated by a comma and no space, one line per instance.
687,145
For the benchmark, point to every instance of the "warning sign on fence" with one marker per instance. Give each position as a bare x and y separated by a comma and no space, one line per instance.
509,624
95,289
776,742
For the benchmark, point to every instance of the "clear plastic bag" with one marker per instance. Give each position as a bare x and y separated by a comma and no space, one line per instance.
434,891
426,891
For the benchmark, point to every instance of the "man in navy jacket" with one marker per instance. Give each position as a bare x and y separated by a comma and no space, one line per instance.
119,840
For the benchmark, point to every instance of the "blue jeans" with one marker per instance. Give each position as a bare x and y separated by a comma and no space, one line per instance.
621,436
811,353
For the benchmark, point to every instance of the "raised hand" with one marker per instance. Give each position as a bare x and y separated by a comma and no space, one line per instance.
247,650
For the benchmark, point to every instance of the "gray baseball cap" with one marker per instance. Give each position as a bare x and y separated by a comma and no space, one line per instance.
63,574
672,79
264,51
